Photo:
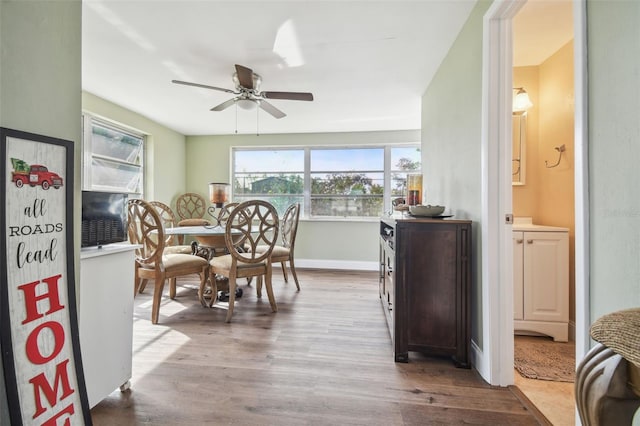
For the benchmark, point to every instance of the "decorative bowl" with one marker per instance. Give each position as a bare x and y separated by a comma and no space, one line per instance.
428,210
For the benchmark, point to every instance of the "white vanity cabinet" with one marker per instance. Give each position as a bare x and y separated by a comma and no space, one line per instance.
541,280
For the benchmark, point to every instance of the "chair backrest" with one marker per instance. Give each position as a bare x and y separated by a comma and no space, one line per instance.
289,225
225,211
145,228
168,220
257,223
191,206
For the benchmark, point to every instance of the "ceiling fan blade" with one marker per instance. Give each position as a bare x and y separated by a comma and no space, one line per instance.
204,86
293,96
224,105
271,109
245,76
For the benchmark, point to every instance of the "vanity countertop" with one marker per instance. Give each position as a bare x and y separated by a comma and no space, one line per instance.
526,224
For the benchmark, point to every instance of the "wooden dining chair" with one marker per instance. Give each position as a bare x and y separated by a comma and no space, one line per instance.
168,219
214,245
151,263
283,253
225,211
256,222
191,208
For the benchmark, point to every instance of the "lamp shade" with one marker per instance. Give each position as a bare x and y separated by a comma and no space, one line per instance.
247,104
218,193
521,101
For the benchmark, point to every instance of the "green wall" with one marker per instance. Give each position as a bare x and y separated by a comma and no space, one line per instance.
40,83
451,140
337,243
165,149
613,37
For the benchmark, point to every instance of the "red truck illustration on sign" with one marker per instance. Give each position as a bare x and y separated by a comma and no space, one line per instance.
34,174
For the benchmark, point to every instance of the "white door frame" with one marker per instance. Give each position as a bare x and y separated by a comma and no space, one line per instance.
495,361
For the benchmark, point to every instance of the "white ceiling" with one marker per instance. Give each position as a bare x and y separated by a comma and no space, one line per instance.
367,63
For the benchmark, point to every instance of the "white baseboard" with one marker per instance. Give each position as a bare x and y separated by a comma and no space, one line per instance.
478,361
348,265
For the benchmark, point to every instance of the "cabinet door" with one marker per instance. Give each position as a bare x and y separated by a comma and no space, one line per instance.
546,276
386,282
433,286
106,321
390,265
518,270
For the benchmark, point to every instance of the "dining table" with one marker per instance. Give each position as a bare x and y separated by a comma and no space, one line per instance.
209,242
210,239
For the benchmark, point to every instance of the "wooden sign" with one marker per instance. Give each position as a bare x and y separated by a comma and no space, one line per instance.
39,329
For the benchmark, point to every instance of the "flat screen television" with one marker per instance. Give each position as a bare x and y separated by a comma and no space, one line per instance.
104,218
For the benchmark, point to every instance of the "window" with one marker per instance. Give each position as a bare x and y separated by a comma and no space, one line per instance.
113,157
326,181
276,176
347,182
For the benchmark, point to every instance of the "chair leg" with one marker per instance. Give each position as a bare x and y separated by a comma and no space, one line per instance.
213,283
293,272
232,295
267,283
157,297
204,278
136,281
142,284
284,271
172,288
259,286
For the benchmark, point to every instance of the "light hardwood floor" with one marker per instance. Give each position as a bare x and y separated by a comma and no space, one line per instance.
323,359
556,400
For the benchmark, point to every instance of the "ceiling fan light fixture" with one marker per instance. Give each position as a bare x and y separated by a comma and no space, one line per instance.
247,104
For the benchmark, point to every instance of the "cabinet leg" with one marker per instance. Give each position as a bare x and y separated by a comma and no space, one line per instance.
402,357
460,364
125,386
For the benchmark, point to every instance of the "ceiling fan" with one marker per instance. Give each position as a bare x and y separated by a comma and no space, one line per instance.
248,93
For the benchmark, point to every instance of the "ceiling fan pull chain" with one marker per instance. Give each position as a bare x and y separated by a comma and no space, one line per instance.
236,117
257,121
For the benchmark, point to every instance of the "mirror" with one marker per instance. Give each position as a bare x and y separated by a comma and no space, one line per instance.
519,139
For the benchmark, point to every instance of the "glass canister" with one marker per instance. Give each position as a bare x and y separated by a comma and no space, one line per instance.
414,189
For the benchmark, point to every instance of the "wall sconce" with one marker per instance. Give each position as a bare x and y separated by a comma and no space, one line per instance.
521,101
218,195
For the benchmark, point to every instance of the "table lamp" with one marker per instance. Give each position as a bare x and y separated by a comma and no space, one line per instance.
218,195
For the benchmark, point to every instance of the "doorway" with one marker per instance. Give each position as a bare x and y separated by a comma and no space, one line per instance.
543,194
497,257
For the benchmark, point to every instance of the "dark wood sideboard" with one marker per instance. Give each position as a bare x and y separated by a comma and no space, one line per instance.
425,284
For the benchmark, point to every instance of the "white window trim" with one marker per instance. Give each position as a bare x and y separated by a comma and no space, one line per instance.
87,120
388,171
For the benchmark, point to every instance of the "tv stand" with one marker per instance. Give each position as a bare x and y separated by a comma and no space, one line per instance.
105,318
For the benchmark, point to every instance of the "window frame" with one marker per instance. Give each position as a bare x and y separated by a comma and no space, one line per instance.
388,171
88,122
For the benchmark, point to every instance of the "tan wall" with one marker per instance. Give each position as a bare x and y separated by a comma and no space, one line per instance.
548,194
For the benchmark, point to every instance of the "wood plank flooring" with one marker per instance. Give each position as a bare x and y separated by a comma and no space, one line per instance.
323,359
